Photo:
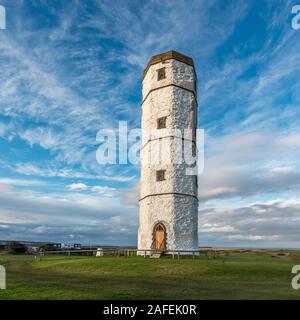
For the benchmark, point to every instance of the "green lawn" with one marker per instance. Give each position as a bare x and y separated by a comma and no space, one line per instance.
234,276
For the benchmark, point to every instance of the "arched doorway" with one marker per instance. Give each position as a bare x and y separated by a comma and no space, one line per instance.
159,237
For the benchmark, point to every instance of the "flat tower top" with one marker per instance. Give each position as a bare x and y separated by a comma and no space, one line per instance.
169,55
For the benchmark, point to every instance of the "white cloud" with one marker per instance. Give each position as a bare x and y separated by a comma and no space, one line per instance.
20,182
77,186
41,136
243,165
218,191
96,218
57,93
218,229
70,173
35,207
269,224
283,170
104,190
253,237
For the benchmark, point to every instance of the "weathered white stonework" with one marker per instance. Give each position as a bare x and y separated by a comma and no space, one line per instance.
172,202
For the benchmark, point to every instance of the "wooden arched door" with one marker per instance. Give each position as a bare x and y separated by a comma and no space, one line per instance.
159,237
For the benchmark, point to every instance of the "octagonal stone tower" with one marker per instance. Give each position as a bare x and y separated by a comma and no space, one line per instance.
168,218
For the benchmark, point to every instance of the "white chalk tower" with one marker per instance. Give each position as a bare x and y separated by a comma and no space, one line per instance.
168,218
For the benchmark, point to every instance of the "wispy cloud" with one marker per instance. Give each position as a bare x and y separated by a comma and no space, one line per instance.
71,68
77,186
264,224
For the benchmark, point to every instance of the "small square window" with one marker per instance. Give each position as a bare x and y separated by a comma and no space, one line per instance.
161,123
161,74
160,175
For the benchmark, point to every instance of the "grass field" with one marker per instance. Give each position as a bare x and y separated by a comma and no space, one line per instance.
232,276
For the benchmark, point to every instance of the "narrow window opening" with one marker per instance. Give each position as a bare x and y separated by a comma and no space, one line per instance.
161,74
160,175
162,123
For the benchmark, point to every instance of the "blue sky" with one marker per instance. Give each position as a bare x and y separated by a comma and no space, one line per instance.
70,68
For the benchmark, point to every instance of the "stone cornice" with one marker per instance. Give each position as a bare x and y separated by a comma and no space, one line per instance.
167,56
173,137
169,85
170,193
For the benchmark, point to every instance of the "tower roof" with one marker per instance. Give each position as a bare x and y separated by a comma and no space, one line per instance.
167,56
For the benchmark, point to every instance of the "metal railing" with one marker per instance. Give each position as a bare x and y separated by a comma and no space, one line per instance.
204,252
127,252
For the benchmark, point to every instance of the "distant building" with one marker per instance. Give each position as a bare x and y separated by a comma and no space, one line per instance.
75,246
